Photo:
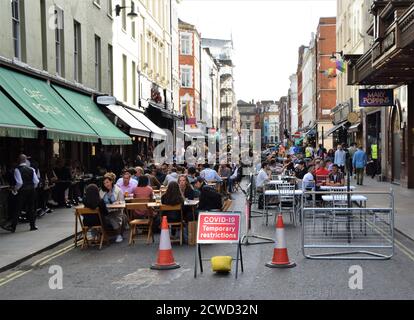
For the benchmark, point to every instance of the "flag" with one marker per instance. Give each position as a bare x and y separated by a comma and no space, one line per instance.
341,66
331,72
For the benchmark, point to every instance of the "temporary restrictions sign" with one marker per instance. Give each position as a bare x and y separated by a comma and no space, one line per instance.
218,227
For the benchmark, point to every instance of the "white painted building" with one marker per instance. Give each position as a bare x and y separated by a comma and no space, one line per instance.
308,84
294,115
210,90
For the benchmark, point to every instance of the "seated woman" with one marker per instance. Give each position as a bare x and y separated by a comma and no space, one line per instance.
187,192
93,201
143,191
172,197
113,194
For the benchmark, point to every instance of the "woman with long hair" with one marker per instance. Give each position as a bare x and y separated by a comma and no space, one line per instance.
112,194
143,191
173,197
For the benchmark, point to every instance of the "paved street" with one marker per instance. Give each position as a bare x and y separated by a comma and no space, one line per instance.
122,272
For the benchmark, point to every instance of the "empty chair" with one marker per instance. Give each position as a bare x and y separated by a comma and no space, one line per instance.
286,194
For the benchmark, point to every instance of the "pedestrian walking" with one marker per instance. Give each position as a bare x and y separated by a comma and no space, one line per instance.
359,162
374,158
340,158
26,184
352,149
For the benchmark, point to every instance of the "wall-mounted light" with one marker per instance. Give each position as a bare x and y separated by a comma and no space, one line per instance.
132,14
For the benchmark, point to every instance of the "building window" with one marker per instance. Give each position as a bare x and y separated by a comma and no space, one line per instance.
59,42
44,28
133,28
111,68
16,29
124,77
110,8
97,3
134,83
185,44
186,77
98,64
77,52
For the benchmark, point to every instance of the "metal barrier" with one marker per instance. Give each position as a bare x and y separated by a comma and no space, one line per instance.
338,231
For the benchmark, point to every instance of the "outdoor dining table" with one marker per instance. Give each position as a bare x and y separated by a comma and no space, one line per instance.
362,200
187,203
329,188
120,205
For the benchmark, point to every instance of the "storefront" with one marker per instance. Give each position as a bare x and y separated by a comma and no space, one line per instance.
389,64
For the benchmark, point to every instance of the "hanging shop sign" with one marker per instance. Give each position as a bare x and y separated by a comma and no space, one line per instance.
376,97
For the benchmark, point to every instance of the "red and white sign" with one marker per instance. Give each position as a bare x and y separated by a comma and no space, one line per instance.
218,227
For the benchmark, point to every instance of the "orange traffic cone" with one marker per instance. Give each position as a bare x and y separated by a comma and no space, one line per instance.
280,253
165,259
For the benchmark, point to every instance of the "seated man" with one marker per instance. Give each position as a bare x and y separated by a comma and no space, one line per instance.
336,178
126,183
261,179
209,174
210,199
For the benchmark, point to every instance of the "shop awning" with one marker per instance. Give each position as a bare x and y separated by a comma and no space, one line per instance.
354,127
47,107
136,127
332,130
88,110
13,122
156,132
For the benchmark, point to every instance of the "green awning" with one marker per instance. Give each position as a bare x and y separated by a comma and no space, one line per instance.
47,107
13,122
88,110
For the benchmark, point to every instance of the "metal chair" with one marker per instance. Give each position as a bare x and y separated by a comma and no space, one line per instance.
339,200
287,201
269,192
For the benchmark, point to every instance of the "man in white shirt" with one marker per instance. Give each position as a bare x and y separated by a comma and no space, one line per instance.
172,176
26,183
262,177
209,174
308,181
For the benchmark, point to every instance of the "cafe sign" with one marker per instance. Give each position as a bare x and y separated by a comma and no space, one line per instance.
376,97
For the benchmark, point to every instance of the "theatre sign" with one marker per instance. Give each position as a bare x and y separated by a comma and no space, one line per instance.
376,97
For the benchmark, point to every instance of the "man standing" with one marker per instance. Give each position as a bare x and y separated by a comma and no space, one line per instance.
340,158
359,161
352,149
26,183
374,157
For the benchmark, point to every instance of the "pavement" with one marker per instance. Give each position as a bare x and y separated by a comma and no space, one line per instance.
120,271
54,228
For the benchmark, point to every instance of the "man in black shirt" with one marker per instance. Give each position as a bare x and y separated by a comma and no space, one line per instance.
301,170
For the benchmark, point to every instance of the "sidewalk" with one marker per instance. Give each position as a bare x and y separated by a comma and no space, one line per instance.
403,199
53,228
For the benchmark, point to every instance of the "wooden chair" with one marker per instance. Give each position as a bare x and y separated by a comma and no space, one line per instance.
174,225
102,236
227,205
144,224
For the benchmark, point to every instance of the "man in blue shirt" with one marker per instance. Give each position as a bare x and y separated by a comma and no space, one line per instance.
359,162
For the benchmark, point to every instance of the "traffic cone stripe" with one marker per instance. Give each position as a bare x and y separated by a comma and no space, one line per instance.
165,242
280,242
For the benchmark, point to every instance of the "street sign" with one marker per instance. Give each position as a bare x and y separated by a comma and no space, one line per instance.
218,228
106,100
376,97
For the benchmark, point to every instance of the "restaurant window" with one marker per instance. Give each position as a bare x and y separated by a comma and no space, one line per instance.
98,76
77,51
59,42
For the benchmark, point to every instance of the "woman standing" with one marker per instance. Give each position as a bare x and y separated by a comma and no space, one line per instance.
112,194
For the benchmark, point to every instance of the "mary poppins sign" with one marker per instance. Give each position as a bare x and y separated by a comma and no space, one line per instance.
376,97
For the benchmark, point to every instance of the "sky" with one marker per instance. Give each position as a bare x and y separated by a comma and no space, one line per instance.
266,36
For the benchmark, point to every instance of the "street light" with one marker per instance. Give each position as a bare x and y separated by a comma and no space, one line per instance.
132,14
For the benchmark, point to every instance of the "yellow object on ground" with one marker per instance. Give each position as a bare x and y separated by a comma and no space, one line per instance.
221,264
